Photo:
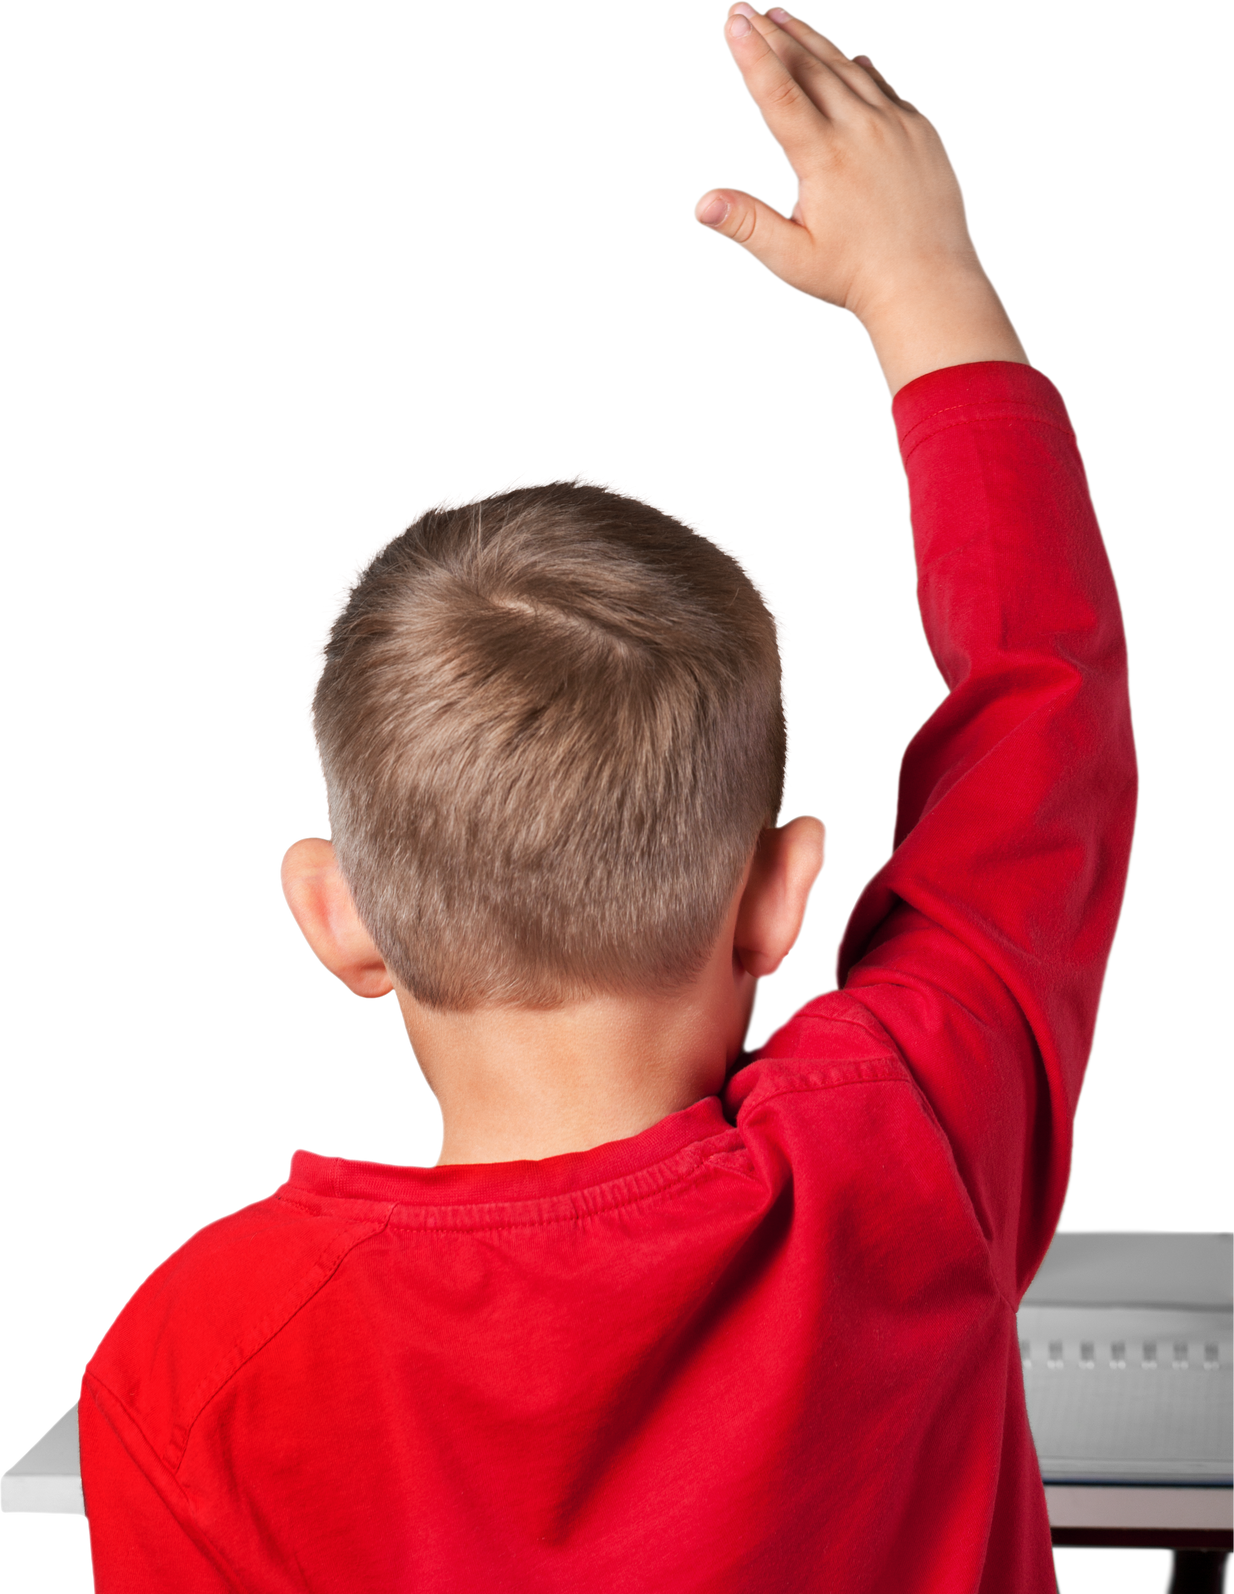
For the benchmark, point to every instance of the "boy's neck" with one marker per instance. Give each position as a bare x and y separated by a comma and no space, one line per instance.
519,1083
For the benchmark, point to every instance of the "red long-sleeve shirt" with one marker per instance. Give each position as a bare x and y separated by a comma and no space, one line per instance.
769,1344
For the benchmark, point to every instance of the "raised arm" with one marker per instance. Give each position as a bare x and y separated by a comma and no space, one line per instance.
981,946
878,227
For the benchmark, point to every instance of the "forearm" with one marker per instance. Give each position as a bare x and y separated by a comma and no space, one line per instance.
939,316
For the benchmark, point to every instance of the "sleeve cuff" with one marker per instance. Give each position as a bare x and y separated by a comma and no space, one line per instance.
935,400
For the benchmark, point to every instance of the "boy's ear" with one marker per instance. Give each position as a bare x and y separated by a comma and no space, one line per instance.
321,904
773,904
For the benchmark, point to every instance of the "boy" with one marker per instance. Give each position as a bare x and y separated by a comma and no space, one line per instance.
668,1316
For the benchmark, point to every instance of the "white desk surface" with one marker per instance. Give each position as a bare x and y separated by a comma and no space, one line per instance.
1127,1349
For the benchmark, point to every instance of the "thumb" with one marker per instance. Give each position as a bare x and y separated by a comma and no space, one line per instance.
726,211
779,243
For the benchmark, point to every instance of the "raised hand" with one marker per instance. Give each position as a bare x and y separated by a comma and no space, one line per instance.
879,224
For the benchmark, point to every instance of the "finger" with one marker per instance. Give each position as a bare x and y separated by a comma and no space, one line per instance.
791,115
772,239
852,75
785,75
865,62
806,36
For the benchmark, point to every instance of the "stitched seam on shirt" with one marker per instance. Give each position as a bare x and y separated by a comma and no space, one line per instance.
260,1333
1036,419
906,1078
900,1077
1032,405
897,1077
549,1223
169,1473
1027,407
863,1020
313,1208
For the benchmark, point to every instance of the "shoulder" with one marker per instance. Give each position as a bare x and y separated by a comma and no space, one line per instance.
218,1301
831,1077
832,1041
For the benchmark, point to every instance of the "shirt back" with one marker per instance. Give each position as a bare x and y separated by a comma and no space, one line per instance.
770,1343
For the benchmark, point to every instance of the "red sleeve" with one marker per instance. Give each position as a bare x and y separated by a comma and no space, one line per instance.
138,1544
982,944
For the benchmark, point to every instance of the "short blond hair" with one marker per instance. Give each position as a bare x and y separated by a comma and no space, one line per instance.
551,730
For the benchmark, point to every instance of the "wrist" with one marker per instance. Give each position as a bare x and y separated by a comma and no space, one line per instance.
936,316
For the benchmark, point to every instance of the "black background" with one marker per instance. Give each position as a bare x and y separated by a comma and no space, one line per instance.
275,287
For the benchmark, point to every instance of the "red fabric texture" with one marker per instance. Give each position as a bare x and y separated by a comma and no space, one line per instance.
769,1344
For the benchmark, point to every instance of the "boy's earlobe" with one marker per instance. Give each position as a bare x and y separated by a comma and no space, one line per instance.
758,965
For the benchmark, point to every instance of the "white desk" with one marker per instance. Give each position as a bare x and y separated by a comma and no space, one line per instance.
48,1478
1129,1376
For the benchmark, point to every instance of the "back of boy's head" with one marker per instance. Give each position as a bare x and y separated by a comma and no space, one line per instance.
551,729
